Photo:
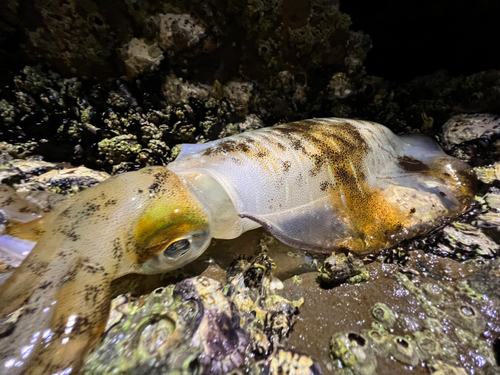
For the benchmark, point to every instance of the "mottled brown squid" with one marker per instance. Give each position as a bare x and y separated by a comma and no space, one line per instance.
320,185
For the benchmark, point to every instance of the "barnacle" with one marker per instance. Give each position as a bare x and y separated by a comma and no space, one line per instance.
355,352
383,315
404,350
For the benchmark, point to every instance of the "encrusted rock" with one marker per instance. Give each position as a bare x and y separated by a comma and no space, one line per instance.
470,238
200,326
489,173
239,94
69,180
467,127
20,169
140,56
179,31
339,267
189,328
177,90
440,368
119,149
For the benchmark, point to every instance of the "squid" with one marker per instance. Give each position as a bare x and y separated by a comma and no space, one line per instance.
321,185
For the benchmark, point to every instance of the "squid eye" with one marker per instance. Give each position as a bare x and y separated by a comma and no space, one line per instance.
178,253
177,249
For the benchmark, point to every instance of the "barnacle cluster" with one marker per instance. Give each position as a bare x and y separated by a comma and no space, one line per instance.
189,328
200,326
451,321
457,315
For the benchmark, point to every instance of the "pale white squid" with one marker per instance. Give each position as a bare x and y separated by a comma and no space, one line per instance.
321,185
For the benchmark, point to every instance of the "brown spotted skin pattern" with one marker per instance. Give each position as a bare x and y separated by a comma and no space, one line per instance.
328,184
90,240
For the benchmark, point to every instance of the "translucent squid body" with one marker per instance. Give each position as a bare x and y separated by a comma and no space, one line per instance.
320,185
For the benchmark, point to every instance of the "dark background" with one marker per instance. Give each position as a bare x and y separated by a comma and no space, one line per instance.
412,38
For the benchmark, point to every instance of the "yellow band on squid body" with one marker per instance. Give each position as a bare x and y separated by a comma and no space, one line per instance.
163,223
